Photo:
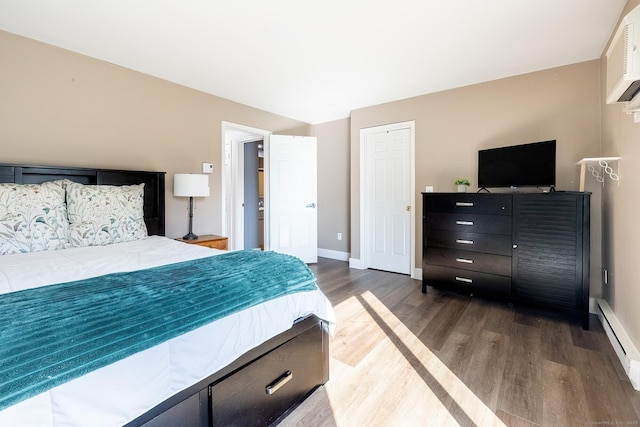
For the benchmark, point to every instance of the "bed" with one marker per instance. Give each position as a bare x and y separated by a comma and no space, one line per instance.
240,363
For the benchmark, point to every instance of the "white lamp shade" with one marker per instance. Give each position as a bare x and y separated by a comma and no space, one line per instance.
190,185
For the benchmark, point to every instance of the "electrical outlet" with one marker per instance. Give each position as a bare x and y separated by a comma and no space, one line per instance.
339,236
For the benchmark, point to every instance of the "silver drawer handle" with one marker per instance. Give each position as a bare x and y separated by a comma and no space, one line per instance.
464,222
278,383
465,260
464,242
465,204
463,279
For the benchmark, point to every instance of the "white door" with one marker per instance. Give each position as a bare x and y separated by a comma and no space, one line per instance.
293,222
388,201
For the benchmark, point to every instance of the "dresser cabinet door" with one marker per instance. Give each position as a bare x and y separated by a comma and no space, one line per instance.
551,238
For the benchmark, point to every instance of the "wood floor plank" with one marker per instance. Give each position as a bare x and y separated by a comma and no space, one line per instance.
443,322
456,352
514,421
356,336
556,342
484,372
521,392
472,319
499,316
417,320
565,402
596,372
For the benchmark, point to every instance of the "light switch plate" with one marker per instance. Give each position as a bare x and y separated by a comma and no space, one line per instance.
207,168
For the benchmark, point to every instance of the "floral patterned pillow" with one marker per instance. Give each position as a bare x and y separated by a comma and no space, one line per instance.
33,217
104,214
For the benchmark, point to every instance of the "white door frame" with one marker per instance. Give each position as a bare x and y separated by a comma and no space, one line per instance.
364,241
233,137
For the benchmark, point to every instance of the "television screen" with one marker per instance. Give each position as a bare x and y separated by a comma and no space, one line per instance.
526,165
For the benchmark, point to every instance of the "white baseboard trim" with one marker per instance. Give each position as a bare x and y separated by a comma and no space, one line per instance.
622,344
328,253
356,263
417,274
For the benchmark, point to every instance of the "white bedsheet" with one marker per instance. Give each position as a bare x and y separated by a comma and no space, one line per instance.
120,392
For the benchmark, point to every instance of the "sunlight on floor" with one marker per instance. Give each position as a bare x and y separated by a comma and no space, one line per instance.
472,406
370,387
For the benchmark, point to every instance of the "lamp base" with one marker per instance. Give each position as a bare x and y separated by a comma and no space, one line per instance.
189,236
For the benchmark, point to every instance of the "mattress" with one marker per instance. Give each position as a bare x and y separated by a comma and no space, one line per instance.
122,391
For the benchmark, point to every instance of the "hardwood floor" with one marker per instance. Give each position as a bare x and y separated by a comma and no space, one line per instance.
402,358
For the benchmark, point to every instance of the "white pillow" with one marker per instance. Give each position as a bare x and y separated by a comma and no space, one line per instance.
104,214
33,217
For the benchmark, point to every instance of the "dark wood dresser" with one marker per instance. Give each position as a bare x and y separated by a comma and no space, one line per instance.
524,247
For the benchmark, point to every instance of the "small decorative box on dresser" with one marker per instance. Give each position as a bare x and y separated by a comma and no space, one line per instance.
523,247
210,241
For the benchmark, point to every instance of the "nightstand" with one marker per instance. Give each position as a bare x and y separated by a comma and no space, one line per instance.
210,241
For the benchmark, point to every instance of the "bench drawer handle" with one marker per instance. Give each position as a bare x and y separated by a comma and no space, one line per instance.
465,204
464,222
279,382
464,242
463,279
465,260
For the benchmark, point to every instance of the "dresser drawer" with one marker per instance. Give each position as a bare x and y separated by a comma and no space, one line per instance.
468,223
262,391
435,275
466,260
499,244
494,204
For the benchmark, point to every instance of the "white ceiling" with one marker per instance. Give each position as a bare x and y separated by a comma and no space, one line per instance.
316,61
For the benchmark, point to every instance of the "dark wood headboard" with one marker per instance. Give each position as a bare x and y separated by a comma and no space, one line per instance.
153,184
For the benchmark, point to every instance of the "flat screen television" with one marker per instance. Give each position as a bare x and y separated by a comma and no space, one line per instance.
525,165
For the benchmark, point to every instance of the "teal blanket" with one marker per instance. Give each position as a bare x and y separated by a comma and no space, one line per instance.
53,334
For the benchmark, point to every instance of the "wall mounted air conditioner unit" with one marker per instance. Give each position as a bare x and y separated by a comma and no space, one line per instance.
623,60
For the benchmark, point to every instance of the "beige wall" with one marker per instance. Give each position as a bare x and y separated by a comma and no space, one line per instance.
61,108
451,126
621,204
333,184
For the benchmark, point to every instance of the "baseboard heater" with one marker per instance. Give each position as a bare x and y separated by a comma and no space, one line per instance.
622,344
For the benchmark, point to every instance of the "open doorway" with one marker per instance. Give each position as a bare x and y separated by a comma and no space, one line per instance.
244,201
289,199
254,194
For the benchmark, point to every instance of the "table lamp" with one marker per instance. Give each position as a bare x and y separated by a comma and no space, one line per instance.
190,185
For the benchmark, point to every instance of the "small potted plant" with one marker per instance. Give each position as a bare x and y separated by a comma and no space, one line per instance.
462,185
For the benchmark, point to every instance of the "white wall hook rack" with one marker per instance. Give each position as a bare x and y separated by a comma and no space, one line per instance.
592,163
